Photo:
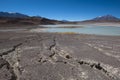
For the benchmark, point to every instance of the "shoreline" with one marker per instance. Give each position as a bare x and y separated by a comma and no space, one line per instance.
37,29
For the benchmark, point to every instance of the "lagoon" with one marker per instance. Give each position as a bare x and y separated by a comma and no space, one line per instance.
97,30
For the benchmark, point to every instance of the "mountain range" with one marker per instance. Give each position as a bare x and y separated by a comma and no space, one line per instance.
13,15
7,18
105,18
22,19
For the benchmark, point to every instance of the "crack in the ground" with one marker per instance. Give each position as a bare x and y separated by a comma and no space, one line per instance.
68,58
52,48
55,51
98,67
93,65
42,60
9,67
11,50
54,43
65,62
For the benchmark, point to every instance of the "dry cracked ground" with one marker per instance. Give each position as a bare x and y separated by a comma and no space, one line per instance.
50,56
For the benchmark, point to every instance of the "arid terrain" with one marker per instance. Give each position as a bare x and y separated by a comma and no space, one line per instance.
28,52
28,55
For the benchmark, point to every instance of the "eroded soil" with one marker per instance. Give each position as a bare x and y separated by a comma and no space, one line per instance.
50,56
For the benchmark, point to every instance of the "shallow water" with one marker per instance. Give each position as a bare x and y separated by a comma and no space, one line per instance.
82,29
97,30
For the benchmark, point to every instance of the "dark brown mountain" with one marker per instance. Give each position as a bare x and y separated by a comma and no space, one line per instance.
21,19
13,15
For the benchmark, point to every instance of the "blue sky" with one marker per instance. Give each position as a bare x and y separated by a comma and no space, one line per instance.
63,9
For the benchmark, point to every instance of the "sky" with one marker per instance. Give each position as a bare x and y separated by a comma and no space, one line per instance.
73,10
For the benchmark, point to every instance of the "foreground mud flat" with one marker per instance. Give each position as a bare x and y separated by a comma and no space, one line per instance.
50,56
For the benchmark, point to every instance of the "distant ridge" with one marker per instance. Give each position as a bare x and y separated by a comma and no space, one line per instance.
13,15
106,18
7,18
